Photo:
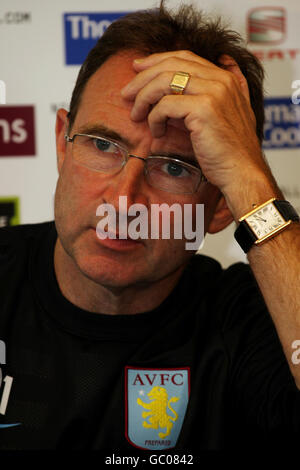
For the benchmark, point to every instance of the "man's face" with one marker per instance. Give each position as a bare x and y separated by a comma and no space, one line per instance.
80,190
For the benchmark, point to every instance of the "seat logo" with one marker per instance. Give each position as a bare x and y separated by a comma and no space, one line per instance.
266,25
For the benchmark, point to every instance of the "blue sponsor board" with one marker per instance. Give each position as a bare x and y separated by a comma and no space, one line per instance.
282,124
82,30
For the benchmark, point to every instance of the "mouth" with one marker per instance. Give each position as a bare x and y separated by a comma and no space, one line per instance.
117,241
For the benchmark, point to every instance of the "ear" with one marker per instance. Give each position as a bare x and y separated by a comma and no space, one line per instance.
221,218
60,131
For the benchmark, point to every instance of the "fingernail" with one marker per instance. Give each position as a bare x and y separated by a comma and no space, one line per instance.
137,61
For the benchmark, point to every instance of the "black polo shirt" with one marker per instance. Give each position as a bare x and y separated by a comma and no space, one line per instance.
204,370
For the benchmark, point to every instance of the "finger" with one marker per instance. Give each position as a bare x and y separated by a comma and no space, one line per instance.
191,112
171,64
153,59
159,87
173,107
227,61
231,65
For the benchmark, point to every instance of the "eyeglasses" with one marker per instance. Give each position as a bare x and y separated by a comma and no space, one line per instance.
106,156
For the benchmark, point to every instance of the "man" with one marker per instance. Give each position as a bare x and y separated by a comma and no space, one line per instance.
131,345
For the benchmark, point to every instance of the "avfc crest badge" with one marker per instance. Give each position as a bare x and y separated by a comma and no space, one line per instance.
155,405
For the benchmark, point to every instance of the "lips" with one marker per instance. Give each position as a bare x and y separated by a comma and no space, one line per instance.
113,241
116,236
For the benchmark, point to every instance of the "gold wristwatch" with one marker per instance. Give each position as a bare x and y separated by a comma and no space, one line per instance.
263,222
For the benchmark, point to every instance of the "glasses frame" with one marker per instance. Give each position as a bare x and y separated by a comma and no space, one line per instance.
127,155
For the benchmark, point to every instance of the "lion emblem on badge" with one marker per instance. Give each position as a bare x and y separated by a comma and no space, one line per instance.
158,407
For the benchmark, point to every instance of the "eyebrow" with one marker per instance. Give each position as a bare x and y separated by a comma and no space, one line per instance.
183,158
102,130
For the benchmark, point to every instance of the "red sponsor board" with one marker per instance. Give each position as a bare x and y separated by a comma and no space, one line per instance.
17,131
276,54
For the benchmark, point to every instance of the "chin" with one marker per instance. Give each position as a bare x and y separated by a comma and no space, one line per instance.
109,273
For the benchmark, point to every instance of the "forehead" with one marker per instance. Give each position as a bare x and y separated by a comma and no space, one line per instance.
110,78
102,103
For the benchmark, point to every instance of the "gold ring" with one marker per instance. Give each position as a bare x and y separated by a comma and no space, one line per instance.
179,82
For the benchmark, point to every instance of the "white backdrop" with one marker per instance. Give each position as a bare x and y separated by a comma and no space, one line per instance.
34,70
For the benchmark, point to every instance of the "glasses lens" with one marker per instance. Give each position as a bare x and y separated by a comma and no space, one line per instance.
97,153
169,175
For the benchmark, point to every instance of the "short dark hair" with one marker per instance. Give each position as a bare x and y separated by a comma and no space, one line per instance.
160,30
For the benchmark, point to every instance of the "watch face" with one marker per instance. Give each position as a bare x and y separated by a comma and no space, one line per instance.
265,220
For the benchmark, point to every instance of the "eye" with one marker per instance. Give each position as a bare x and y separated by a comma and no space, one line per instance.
175,169
104,145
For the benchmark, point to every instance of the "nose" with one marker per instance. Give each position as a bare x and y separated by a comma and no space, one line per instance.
130,182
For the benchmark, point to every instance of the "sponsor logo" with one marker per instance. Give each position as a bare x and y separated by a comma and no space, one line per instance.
155,404
7,384
282,124
276,54
17,136
9,211
82,31
15,17
266,25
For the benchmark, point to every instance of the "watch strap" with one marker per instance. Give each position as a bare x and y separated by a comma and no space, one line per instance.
244,235
286,210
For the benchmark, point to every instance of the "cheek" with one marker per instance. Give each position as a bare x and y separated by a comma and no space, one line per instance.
175,222
78,191
73,198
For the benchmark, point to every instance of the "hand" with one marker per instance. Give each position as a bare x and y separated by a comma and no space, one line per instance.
215,109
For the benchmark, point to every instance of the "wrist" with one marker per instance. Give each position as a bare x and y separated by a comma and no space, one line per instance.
253,189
